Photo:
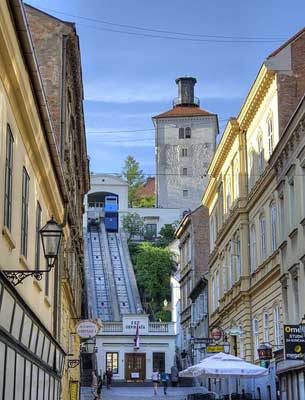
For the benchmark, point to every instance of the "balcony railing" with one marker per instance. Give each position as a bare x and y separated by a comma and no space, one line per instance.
112,327
153,328
178,101
158,327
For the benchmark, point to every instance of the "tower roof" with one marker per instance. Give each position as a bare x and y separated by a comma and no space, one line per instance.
184,112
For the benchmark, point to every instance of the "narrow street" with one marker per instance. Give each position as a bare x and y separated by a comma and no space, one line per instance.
141,393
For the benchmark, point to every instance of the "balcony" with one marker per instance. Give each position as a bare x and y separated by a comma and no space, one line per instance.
153,328
179,101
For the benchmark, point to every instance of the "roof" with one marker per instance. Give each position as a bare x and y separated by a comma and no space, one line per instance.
187,111
292,39
148,189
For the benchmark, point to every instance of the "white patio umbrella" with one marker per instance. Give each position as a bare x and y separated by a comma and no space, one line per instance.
223,365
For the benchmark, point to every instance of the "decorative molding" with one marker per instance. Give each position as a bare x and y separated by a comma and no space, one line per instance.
8,236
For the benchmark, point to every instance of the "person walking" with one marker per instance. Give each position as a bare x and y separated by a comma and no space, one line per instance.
174,376
109,375
94,385
155,378
99,388
164,380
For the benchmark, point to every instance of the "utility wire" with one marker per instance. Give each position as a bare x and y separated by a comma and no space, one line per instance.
189,36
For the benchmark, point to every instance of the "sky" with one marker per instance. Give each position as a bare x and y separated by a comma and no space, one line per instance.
130,77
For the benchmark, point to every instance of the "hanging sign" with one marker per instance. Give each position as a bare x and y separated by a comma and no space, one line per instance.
294,342
87,329
216,333
214,348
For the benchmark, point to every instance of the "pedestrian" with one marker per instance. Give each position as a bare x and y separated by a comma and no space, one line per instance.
164,380
94,385
109,377
99,388
155,378
174,376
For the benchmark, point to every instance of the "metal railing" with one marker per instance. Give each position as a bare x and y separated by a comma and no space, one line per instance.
179,101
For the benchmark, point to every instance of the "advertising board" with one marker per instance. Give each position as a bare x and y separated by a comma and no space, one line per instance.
294,342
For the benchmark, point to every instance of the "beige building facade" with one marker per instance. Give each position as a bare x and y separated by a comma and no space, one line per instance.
245,266
37,317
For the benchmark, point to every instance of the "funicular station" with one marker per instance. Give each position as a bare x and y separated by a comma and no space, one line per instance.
112,294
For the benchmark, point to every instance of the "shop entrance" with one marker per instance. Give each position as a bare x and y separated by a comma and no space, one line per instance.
135,367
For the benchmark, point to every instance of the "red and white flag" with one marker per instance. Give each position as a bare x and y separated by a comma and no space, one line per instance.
137,338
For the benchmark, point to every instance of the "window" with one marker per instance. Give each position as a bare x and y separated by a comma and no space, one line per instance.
270,134
188,133
277,327
251,168
228,193
238,259
217,293
273,225
184,152
236,178
159,361
292,206
185,133
24,215
260,155
184,171
8,179
150,230
230,266
37,239
282,215
213,294
266,327
253,248
185,194
221,205
241,343
262,222
212,239
224,275
112,361
255,337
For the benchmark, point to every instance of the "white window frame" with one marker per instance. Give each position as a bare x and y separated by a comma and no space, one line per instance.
263,238
228,193
260,154
277,326
255,336
266,326
224,275
230,266
253,248
270,134
273,217
238,259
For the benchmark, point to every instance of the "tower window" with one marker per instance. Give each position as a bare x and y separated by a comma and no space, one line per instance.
185,133
184,152
184,171
185,193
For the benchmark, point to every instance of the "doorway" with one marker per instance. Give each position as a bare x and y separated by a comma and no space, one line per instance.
135,367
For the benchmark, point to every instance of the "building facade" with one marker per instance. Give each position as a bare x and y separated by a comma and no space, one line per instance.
288,163
245,294
37,318
193,236
185,139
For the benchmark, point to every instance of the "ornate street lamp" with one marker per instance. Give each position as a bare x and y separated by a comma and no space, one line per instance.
226,345
89,346
302,326
51,235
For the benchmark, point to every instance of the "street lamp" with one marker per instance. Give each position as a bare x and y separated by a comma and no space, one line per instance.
51,235
226,345
89,346
302,326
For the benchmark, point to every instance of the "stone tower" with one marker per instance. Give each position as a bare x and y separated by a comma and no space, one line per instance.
185,144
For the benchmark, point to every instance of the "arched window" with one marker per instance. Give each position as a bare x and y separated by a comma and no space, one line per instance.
266,326
255,336
270,134
263,242
260,149
273,216
277,325
253,248
228,190
188,133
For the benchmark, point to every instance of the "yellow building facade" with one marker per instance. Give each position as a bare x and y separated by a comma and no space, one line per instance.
38,317
245,291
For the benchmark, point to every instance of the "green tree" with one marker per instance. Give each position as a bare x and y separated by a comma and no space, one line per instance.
146,202
153,267
167,234
134,177
133,225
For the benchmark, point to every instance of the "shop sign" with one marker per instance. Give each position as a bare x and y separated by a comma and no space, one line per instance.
264,352
130,325
294,342
264,363
74,390
87,329
234,332
216,333
214,348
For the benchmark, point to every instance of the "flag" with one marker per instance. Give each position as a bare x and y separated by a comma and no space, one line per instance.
137,338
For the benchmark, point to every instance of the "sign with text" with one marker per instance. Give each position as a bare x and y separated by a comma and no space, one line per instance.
130,323
214,348
87,329
294,342
73,390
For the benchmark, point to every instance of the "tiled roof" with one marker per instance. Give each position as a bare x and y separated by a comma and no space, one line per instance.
181,111
292,39
148,189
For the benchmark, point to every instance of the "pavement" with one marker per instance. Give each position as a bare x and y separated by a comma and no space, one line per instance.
142,393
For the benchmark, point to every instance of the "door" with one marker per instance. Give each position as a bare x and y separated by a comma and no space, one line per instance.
135,367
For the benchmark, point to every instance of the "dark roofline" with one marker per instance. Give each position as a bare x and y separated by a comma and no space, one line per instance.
292,39
72,24
201,284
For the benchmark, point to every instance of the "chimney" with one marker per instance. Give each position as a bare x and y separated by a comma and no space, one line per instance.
186,93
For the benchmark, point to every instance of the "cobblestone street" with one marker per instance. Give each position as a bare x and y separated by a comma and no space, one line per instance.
142,393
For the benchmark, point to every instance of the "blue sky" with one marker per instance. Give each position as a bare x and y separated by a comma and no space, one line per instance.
128,78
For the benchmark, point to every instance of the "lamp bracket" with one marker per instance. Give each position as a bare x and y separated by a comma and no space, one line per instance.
16,276
73,363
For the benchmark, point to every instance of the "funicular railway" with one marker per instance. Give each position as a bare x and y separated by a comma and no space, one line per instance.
114,290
